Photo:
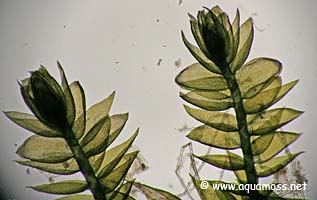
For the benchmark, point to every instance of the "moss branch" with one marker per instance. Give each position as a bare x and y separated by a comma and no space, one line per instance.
243,129
84,164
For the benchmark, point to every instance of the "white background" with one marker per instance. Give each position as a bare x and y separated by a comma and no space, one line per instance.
116,45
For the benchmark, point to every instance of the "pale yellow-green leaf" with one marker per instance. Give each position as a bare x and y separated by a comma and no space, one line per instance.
117,123
275,164
31,123
207,103
98,111
256,74
71,112
196,76
218,120
91,134
236,32
241,176
267,146
245,41
209,193
63,187
152,193
265,99
96,161
44,149
77,197
200,56
113,179
215,138
231,161
80,108
100,141
65,168
114,155
271,120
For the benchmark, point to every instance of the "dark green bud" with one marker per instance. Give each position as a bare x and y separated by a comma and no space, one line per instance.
45,98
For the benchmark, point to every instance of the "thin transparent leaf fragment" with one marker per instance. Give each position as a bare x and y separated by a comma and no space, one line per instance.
218,120
231,161
215,138
63,187
197,77
44,149
272,166
65,168
152,193
271,120
256,74
31,123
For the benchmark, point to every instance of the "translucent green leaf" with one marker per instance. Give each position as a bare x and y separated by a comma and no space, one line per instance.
122,193
65,168
77,197
213,95
80,107
71,112
206,103
245,34
209,193
32,124
152,193
98,111
256,74
91,134
114,155
63,187
112,180
200,56
117,124
44,149
241,176
196,76
215,138
269,145
265,99
272,166
230,162
96,161
99,143
271,120
218,120
236,32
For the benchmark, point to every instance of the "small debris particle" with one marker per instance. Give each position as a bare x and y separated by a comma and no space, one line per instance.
164,45
157,20
180,2
51,179
28,171
64,26
254,14
159,62
15,145
117,62
178,62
